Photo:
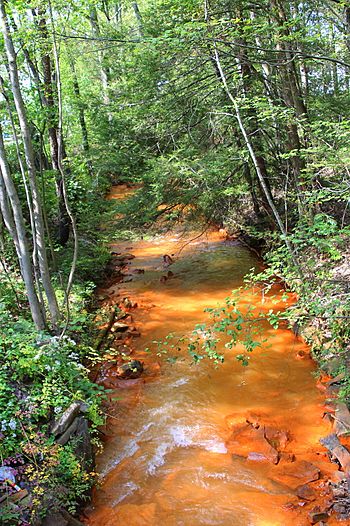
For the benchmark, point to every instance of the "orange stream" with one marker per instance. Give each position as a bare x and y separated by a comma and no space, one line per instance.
165,461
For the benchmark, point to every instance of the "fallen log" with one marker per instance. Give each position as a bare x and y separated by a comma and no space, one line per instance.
104,332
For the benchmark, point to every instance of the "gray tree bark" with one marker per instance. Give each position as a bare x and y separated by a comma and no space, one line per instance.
27,191
104,69
29,155
14,222
60,166
49,99
82,121
256,164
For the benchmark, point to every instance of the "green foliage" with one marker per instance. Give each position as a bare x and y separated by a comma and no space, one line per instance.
231,329
53,474
40,376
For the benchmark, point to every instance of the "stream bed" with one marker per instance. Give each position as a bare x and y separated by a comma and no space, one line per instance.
169,458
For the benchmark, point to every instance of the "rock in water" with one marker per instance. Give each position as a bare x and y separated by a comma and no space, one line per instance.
167,260
297,474
277,438
132,369
338,451
120,327
306,492
317,515
251,443
342,419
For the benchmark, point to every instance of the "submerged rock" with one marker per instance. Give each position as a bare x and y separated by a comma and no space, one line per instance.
135,514
287,457
123,257
138,271
132,369
251,443
127,383
277,438
306,492
254,440
297,474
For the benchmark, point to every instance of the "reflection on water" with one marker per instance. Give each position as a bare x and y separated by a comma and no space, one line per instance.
165,461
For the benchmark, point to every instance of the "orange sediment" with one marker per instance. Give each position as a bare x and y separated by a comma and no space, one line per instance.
171,457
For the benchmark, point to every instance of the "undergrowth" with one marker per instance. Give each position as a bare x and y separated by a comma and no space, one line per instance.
40,376
42,373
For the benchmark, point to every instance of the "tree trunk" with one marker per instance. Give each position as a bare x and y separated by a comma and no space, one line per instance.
347,25
293,98
256,164
118,13
27,191
29,155
50,104
14,222
60,166
104,69
31,65
82,121
254,130
138,18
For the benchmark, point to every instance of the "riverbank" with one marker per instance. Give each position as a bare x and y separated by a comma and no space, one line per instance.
319,316
50,409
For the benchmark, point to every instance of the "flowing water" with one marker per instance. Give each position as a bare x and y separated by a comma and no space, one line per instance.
166,460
